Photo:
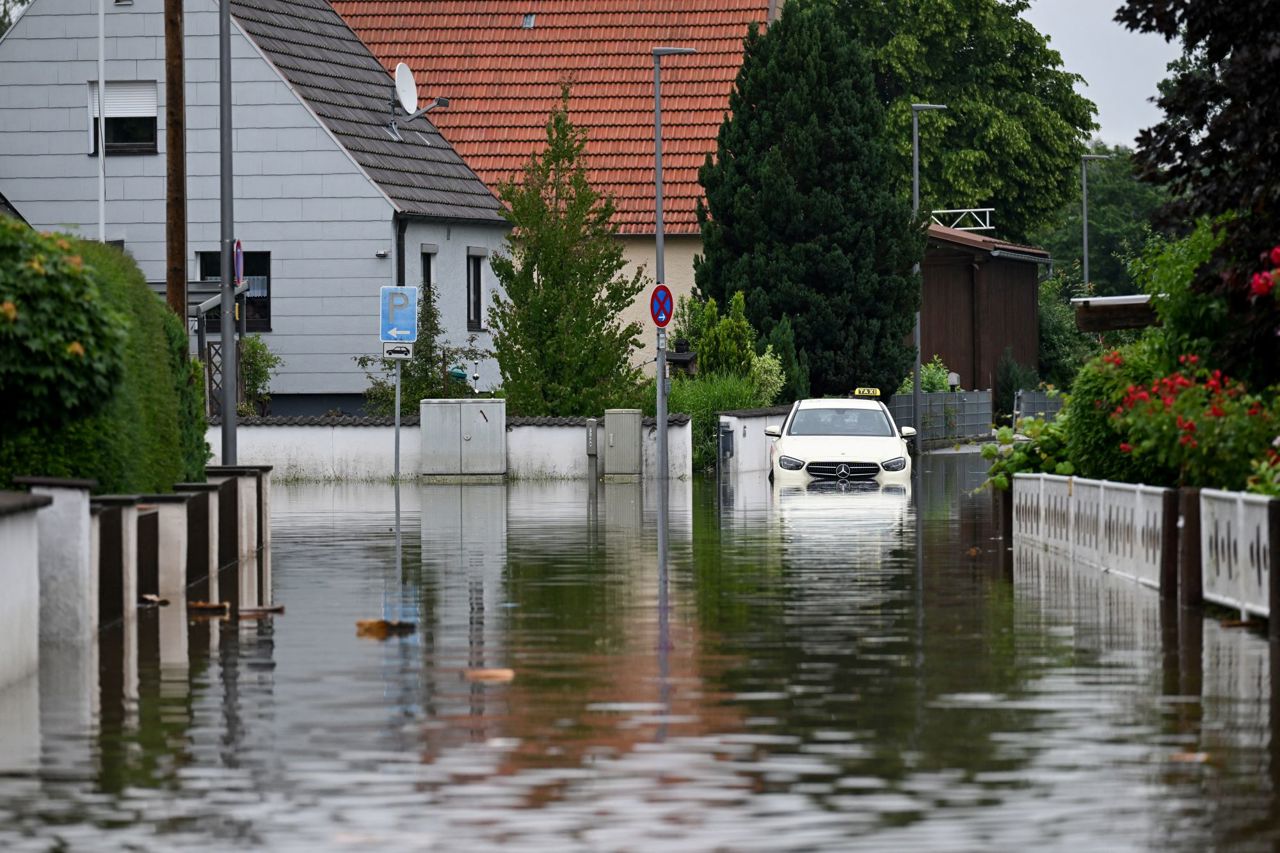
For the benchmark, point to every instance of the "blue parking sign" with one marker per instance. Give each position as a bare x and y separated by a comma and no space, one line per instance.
398,314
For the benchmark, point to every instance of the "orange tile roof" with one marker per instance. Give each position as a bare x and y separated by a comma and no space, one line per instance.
503,81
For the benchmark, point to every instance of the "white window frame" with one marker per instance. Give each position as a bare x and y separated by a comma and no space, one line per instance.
125,99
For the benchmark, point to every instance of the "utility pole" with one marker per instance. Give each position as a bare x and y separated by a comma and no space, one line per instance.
175,136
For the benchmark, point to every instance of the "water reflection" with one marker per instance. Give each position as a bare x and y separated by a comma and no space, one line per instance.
817,669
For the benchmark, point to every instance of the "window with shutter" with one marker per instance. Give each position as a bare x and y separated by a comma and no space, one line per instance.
130,117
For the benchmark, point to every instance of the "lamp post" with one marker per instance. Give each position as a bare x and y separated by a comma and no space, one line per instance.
1084,204
659,265
916,109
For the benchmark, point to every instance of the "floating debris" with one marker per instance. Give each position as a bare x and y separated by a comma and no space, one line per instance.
1190,758
380,629
208,606
150,600
490,676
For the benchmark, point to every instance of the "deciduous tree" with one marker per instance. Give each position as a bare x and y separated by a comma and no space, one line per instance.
1014,128
559,343
1218,151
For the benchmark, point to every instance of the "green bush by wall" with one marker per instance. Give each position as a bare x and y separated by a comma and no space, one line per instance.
143,431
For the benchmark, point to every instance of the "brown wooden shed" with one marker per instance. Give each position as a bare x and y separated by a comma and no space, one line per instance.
979,297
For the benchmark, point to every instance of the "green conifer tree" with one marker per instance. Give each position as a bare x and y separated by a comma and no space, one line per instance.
800,213
556,334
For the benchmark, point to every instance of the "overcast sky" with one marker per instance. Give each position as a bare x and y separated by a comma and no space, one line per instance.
1120,68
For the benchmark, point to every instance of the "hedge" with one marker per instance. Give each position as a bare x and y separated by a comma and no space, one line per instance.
141,432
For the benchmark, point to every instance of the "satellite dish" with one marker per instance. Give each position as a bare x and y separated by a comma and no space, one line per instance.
406,88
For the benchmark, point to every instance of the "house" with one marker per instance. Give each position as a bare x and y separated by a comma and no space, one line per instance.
980,297
331,203
502,64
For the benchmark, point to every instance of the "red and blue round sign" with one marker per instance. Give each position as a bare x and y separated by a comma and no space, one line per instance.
661,305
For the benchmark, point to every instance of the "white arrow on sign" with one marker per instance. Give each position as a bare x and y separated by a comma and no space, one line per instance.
396,333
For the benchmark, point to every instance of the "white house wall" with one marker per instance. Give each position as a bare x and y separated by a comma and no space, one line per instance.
298,194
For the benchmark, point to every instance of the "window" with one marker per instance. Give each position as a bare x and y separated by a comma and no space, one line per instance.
841,421
529,20
130,117
475,291
257,274
428,273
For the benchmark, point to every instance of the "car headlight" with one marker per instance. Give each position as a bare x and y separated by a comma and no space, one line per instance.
895,464
790,464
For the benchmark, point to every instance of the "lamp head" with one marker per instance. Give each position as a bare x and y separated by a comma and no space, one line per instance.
924,107
672,51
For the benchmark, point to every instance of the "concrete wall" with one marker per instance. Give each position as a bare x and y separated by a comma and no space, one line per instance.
298,194
359,453
750,444
20,603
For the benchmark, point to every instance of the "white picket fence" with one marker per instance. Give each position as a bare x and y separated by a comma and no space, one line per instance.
1112,527
1235,551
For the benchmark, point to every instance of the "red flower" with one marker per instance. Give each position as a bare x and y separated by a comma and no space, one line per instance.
1125,447
1253,410
1216,412
1275,256
1261,283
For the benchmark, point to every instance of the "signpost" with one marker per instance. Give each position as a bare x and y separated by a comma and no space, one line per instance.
398,329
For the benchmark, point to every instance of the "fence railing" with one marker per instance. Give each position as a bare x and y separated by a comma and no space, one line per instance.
1034,403
1235,545
1200,545
945,414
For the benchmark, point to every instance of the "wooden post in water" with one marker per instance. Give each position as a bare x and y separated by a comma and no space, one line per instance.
1169,546
1273,598
1190,582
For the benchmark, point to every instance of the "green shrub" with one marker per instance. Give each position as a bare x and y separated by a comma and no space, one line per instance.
1044,451
1011,377
795,365
1202,425
257,364
61,339
1094,437
1063,347
933,377
149,430
703,398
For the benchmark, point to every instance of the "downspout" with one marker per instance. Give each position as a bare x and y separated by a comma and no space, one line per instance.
401,226
975,325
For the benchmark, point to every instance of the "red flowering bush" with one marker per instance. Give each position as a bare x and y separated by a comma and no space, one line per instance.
1205,426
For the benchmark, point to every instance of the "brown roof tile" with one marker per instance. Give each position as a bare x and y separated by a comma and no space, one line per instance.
503,81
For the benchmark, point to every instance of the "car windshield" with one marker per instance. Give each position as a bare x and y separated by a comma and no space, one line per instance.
842,421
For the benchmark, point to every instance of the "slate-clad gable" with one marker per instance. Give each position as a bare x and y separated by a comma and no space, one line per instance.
342,82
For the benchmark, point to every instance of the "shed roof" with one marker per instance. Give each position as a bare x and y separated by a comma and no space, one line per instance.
7,209
341,81
502,63
981,242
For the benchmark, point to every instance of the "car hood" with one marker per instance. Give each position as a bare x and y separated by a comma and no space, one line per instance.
827,448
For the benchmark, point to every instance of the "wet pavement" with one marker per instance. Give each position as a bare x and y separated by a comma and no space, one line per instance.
832,670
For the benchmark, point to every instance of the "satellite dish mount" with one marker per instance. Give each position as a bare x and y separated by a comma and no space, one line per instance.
407,98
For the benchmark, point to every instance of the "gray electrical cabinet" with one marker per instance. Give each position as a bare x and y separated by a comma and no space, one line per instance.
463,437
621,442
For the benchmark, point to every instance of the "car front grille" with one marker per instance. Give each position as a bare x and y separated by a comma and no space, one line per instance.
844,470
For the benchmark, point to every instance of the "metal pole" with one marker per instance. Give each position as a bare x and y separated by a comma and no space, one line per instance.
102,121
1084,212
660,261
659,266
397,428
915,271
227,326
175,161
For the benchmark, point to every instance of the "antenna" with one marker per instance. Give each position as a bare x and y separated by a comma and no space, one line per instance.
407,97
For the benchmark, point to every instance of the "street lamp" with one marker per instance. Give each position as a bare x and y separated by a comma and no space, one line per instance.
916,109
1084,204
658,53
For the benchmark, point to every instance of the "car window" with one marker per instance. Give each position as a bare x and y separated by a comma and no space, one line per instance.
843,421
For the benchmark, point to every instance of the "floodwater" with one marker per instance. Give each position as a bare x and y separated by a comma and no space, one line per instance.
820,671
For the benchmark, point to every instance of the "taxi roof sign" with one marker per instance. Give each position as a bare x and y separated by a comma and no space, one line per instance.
866,392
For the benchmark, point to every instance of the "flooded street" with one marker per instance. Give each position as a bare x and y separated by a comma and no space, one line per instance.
830,671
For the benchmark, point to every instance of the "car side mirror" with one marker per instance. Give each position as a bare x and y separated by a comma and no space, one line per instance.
773,432
908,432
